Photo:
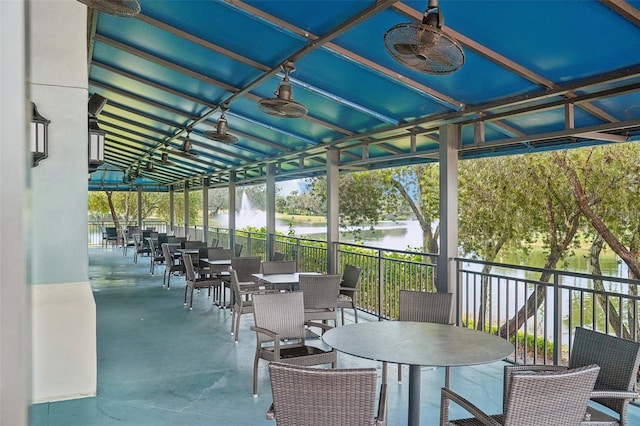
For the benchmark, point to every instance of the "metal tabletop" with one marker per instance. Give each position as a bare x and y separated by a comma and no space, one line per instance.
281,280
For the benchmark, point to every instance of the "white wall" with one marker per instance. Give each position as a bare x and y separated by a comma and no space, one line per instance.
63,308
14,299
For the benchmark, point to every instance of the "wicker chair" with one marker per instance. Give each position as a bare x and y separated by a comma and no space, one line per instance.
280,333
548,398
348,290
619,360
110,235
127,238
421,306
279,267
194,244
245,267
242,301
194,282
220,272
172,265
156,255
320,295
277,256
140,247
319,396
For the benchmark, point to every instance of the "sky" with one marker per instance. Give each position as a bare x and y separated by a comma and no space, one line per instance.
287,187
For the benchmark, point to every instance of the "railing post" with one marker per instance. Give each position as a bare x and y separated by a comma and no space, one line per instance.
557,320
457,300
380,285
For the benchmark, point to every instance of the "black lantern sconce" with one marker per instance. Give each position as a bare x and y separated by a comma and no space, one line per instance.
96,135
39,136
96,144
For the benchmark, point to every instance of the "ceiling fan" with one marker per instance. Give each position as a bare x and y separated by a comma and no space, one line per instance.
185,150
221,134
124,8
425,47
283,104
164,160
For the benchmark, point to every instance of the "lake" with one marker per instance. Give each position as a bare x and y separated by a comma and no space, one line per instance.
405,234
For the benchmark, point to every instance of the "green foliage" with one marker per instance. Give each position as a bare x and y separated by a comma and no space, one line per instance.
543,348
154,205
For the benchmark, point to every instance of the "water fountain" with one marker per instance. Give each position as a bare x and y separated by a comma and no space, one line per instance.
247,215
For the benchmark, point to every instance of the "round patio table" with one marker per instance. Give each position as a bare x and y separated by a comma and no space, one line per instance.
418,344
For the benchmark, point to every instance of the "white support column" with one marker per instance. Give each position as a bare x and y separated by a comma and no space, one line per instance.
333,208
205,209
15,309
139,190
63,312
232,209
450,138
186,210
172,209
271,208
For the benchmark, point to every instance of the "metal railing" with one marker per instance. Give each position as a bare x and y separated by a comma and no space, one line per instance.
549,308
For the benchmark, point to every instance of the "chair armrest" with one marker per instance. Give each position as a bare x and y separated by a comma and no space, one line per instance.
256,290
268,332
318,324
447,395
349,289
613,393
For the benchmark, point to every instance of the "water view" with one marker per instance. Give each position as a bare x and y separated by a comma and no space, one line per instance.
407,234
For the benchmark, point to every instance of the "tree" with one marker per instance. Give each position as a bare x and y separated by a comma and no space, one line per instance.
218,199
605,183
162,210
123,205
491,214
361,199
418,187
555,216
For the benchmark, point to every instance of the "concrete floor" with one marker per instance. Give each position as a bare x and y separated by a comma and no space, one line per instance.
160,364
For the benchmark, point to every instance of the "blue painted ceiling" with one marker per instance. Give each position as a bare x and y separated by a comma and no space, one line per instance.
538,75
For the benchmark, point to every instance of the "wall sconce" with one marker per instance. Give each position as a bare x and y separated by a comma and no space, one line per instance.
96,144
39,136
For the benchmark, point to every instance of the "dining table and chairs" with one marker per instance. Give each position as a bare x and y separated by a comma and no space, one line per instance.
424,306
418,344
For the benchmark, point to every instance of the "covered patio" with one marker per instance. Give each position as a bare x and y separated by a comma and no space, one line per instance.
180,90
